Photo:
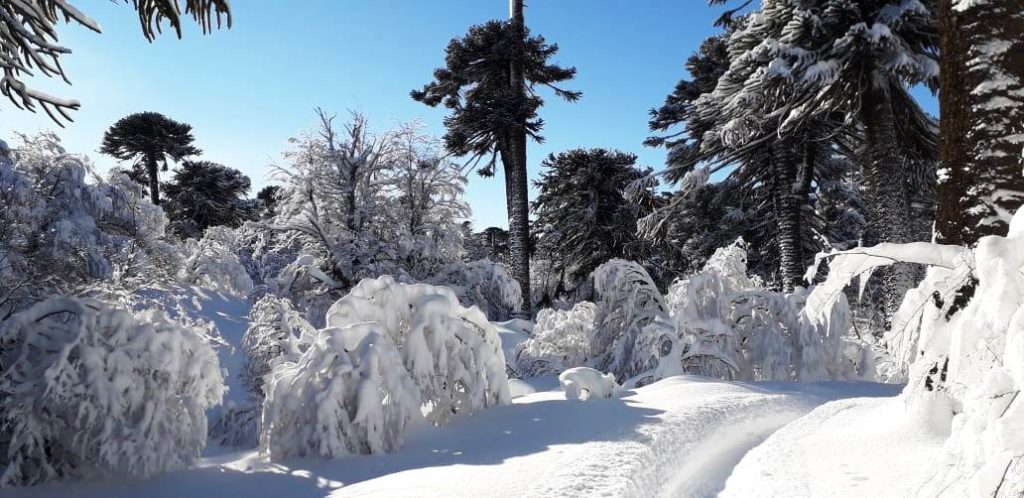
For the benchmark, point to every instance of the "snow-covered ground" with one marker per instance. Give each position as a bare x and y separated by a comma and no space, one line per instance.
855,447
681,436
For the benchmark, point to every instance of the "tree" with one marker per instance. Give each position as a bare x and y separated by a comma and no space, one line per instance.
980,182
268,197
203,194
582,217
28,39
488,83
150,139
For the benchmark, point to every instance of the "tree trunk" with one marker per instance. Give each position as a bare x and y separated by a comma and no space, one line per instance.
513,157
886,175
153,170
950,213
982,119
789,198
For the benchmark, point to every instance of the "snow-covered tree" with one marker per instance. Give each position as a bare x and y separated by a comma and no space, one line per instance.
484,284
561,339
982,106
90,389
202,194
29,42
489,82
63,229
582,216
150,139
391,355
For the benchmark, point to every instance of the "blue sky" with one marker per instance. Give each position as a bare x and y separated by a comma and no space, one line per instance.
247,89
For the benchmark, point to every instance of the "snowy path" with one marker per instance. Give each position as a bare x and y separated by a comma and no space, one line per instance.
855,447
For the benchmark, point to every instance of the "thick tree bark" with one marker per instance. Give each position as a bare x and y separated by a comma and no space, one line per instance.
789,197
513,157
153,171
888,197
982,127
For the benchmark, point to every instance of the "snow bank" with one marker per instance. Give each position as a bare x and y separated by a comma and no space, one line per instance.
582,383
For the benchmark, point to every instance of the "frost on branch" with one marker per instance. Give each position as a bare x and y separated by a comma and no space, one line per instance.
89,389
392,354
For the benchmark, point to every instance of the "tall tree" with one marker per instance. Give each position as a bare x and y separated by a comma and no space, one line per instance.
203,194
982,106
582,217
150,139
28,39
489,82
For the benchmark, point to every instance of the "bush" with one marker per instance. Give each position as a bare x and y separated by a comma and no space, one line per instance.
89,389
392,354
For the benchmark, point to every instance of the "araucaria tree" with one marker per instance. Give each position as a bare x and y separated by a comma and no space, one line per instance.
203,194
982,104
150,139
583,219
29,43
489,82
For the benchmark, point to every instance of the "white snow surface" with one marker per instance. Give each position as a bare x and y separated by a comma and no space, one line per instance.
853,447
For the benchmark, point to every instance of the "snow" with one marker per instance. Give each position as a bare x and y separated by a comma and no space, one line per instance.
678,436
854,447
582,384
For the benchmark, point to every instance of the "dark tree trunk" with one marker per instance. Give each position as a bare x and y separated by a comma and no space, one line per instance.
981,184
950,212
513,157
886,177
153,171
789,197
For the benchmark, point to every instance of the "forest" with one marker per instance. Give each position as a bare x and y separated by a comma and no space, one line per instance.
820,292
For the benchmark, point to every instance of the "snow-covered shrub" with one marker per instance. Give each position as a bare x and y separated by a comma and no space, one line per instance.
88,389
561,339
484,284
391,354
348,393
452,352
582,384
213,263
634,330
275,334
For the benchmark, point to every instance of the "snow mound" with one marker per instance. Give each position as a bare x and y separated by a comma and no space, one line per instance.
582,383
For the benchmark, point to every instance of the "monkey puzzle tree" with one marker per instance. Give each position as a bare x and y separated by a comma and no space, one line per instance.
29,42
489,83
150,139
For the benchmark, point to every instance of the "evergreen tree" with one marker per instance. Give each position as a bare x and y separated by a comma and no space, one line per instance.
29,42
982,104
203,194
582,217
268,198
150,139
488,83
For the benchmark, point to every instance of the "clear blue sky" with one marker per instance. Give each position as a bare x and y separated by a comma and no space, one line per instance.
247,89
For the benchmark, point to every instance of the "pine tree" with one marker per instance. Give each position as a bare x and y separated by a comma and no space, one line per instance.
28,39
489,84
982,104
582,217
150,139
203,194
